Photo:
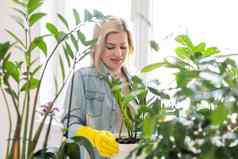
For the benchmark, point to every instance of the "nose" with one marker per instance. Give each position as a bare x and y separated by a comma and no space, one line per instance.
118,52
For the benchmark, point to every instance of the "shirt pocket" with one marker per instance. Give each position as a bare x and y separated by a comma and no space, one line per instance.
94,103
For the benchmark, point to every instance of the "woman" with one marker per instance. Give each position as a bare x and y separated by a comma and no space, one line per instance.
94,112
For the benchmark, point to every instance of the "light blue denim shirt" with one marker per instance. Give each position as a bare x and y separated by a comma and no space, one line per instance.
92,102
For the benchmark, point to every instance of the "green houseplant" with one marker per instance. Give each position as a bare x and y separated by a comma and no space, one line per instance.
204,95
131,119
20,78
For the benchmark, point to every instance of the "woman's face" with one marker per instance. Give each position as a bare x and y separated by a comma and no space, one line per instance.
115,51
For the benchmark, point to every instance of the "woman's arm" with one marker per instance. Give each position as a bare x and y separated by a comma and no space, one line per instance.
75,96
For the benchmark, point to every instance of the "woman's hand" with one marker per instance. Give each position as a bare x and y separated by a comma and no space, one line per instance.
102,140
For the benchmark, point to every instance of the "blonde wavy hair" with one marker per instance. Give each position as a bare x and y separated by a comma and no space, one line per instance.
102,29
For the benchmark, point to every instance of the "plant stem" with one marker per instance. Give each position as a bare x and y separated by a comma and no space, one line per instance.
31,147
48,132
10,122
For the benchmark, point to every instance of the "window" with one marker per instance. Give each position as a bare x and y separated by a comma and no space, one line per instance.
213,22
209,21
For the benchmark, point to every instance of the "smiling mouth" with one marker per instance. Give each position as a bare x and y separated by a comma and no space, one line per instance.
116,60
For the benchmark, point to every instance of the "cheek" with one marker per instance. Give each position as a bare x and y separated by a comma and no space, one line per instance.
104,56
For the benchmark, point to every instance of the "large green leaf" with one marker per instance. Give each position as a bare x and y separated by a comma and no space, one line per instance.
53,30
98,14
183,52
75,42
219,115
152,67
81,36
185,40
76,17
200,47
90,42
87,16
30,84
73,152
40,43
35,17
12,69
185,76
149,125
63,20
211,51
69,50
33,5
4,47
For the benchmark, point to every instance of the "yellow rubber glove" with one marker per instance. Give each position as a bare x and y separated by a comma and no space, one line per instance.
102,140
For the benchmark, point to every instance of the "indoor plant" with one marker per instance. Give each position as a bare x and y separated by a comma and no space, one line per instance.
20,78
204,94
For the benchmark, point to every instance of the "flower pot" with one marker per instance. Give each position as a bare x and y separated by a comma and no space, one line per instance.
126,145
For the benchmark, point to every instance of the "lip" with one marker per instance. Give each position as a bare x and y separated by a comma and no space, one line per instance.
116,60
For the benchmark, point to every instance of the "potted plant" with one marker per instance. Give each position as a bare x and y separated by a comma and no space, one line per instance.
21,78
204,95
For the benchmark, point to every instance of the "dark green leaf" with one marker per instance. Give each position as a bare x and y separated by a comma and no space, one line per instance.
90,42
184,77
35,17
63,20
30,84
69,50
81,36
158,93
76,17
12,69
154,45
187,92
73,151
204,111
62,36
53,30
4,47
98,14
33,5
152,67
62,67
66,56
75,42
87,16
40,43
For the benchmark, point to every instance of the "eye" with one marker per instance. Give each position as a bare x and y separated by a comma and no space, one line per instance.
110,47
123,47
